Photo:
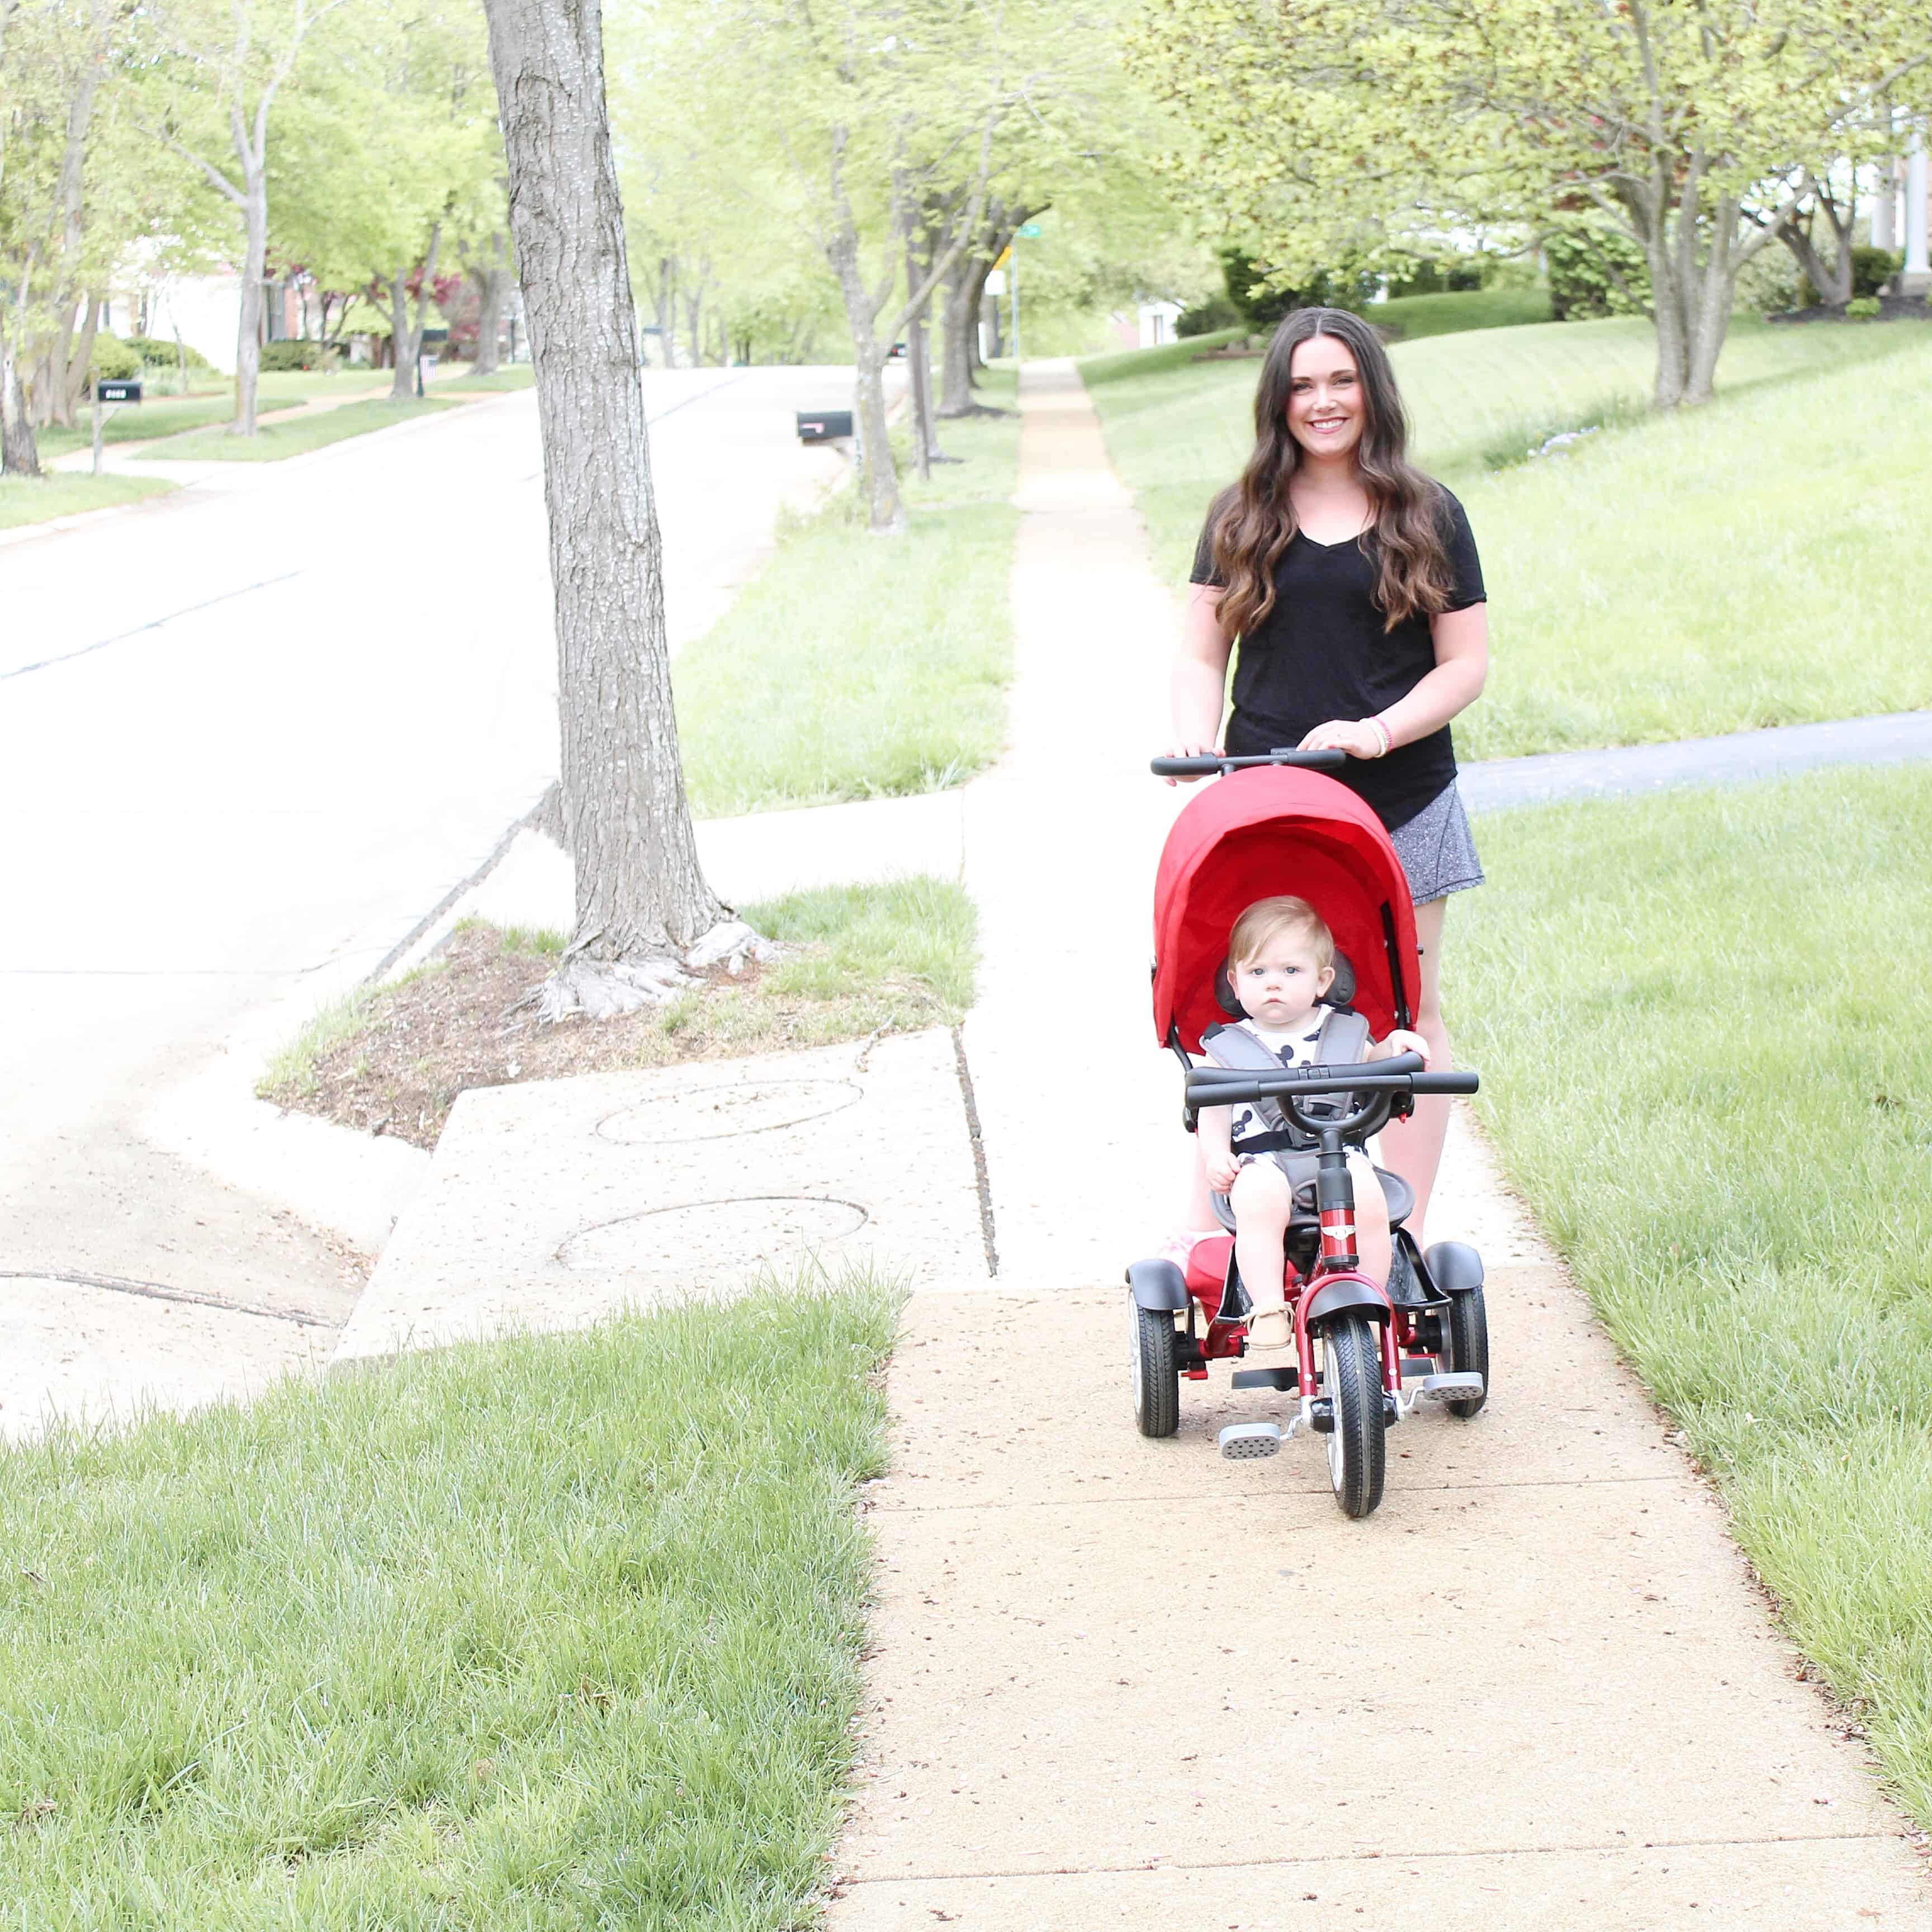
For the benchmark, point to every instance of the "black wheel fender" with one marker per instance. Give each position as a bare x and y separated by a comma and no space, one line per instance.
1344,1297
1453,1267
1157,1284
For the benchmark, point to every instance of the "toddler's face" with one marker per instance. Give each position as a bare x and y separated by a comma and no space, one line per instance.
1280,988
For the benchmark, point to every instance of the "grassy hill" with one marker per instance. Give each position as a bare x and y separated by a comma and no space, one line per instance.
1746,564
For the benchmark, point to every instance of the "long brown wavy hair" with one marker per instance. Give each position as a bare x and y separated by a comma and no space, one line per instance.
1254,520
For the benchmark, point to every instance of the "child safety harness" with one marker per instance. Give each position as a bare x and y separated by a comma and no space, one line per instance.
1342,1041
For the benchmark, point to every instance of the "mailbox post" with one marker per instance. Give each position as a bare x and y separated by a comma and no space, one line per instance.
113,391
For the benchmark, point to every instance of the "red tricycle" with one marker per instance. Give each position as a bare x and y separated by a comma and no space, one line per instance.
1363,1355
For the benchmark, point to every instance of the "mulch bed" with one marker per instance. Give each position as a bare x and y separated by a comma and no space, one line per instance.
1891,308
468,1023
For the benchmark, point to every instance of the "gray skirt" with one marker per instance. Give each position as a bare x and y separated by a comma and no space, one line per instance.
1437,849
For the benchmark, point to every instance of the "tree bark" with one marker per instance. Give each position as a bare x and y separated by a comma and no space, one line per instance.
491,277
81,358
641,892
406,336
958,323
19,449
254,266
879,478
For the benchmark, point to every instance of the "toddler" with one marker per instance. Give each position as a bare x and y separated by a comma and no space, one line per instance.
1281,960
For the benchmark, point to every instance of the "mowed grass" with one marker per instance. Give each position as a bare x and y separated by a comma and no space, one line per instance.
1453,310
859,667
1760,561
1700,1020
1750,563
273,442
507,376
36,499
212,402
553,1633
1178,434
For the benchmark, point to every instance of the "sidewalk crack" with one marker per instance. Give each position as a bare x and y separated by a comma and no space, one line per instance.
979,1152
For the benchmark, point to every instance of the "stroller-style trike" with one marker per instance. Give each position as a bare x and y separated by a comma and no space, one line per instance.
1363,1356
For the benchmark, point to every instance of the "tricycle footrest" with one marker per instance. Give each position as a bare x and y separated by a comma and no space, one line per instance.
1243,1441
1450,1388
1283,1381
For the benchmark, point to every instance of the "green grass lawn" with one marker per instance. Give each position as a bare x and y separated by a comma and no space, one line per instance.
1758,563
272,442
856,666
35,499
213,401
1700,1020
553,1633
1745,564
1451,311
509,375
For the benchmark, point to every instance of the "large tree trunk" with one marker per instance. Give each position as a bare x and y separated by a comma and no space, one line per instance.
958,323
641,894
78,386
491,279
254,266
879,479
1832,280
408,336
20,450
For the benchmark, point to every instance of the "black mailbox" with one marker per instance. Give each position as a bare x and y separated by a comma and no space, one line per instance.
823,425
119,388
432,337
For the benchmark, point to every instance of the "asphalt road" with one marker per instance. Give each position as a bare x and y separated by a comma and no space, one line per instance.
249,734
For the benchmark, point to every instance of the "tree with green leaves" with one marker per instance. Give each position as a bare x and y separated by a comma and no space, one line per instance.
214,69
1321,127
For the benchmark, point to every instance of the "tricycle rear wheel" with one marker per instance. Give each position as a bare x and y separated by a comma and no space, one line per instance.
1352,1380
1468,1325
1156,1372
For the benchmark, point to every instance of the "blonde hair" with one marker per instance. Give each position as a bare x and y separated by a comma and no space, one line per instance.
1268,920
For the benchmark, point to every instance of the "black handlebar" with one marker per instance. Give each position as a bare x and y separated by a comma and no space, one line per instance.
1213,767
1217,1090
1397,1063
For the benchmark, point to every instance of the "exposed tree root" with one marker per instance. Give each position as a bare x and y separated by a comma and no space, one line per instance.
600,989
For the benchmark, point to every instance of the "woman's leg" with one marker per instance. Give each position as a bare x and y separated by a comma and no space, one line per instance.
1374,1245
1413,1148
1200,1214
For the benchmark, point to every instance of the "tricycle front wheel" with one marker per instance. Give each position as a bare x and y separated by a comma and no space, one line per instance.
1468,1322
1352,1380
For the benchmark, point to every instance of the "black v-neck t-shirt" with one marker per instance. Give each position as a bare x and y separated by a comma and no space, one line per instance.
1321,652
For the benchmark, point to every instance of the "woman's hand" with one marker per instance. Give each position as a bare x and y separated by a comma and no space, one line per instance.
1403,1041
1191,752
1357,736
1221,1169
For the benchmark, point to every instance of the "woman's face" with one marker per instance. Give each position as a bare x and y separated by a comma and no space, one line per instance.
1326,407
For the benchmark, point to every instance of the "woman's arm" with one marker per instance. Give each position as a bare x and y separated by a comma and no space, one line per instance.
1462,640
1199,679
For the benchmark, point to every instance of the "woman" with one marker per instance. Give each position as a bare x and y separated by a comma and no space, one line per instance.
1351,583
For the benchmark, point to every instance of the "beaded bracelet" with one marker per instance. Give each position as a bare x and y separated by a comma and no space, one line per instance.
1387,735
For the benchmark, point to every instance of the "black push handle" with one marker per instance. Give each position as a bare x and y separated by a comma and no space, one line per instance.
1397,1063
1213,766
1286,1086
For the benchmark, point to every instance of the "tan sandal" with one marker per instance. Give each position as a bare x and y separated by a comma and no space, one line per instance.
1271,1328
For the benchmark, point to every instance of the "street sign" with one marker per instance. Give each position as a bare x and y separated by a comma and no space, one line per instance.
1029,231
1005,256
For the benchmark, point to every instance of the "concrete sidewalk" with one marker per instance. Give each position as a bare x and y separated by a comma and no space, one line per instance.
1116,1681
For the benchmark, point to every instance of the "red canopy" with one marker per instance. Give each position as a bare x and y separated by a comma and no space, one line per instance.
1269,829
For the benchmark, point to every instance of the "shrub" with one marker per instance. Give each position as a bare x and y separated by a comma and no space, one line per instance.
1261,306
1456,277
1595,271
1862,308
1208,317
1872,269
113,358
156,354
280,357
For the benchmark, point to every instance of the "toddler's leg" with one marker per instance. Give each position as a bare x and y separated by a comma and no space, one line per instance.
1374,1244
1262,1201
